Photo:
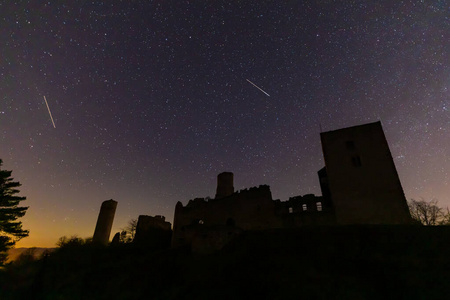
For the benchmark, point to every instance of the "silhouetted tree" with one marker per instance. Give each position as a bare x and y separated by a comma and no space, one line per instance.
73,241
127,234
132,225
10,229
27,256
428,213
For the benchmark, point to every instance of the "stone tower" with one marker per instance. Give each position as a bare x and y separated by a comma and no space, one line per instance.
104,222
224,185
360,177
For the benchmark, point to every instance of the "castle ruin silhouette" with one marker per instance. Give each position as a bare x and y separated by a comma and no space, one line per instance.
359,185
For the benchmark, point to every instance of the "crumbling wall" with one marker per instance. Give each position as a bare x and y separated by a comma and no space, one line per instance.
153,232
208,239
305,210
250,209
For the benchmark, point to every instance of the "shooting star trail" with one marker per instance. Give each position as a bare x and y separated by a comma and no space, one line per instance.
49,112
258,87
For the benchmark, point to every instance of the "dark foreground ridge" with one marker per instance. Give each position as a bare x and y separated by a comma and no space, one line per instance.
320,262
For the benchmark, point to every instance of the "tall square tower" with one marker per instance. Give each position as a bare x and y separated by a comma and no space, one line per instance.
362,180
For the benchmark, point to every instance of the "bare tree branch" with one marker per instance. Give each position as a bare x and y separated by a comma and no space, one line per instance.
429,213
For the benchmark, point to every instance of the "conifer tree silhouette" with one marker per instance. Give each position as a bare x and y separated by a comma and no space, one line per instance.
10,229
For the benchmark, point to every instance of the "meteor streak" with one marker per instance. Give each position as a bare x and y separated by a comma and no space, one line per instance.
257,87
49,112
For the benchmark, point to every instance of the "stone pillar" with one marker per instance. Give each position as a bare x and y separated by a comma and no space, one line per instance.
224,185
104,222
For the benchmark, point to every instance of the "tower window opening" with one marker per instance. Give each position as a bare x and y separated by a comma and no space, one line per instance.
304,207
197,221
356,161
291,210
350,145
319,206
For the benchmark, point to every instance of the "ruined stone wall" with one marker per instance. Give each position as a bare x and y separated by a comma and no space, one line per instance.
248,209
153,232
251,209
208,222
305,210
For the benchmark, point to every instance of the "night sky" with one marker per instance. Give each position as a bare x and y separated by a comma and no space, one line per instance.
151,101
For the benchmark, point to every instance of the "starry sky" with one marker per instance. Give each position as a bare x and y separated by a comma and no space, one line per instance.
150,99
